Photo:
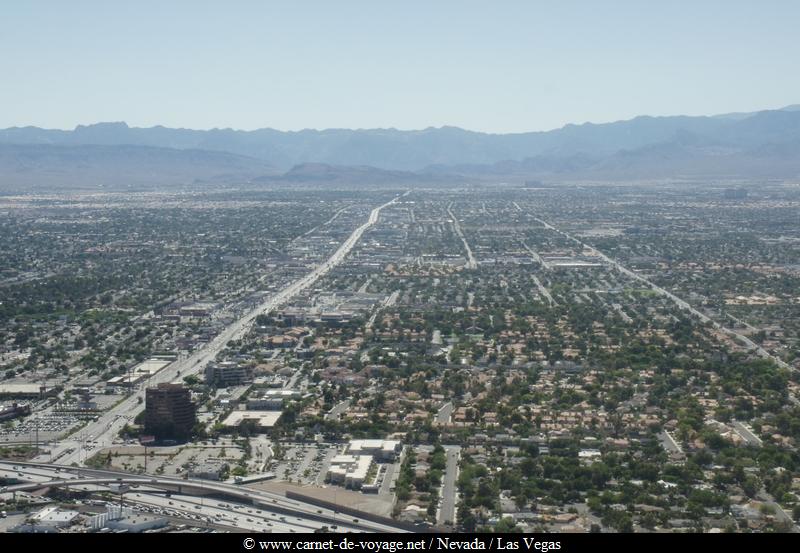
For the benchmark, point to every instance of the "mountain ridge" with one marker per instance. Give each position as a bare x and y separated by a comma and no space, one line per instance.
393,149
759,144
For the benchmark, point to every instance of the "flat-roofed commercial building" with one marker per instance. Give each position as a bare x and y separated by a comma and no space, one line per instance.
211,469
263,420
55,517
227,374
271,399
32,391
382,450
350,471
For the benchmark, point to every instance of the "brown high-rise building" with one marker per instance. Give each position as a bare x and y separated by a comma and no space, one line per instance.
169,412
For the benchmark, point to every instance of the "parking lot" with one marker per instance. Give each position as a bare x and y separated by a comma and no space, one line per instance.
302,463
50,426
172,460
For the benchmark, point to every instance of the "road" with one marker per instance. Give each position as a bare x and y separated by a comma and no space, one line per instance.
780,514
104,430
471,263
682,304
536,257
746,434
390,300
447,506
217,512
326,223
337,410
752,346
669,443
444,413
543,291
238,499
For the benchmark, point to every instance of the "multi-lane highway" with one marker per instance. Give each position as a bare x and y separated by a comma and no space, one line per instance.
103,431
236,506
244,508
471,263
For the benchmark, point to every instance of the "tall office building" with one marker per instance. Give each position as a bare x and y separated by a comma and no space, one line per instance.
169,412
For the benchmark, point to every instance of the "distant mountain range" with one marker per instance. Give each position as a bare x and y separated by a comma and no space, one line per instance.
758,144
41,167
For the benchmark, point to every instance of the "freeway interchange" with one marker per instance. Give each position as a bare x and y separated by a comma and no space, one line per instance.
101,432
230,506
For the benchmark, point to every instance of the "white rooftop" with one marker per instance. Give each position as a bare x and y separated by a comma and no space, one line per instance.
265,419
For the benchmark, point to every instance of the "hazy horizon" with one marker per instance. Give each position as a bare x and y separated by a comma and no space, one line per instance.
321,129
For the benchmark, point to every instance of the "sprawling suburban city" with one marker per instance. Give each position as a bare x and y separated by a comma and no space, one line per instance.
526,357
380,277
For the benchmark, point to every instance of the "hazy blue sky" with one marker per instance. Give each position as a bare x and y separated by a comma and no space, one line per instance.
492,66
